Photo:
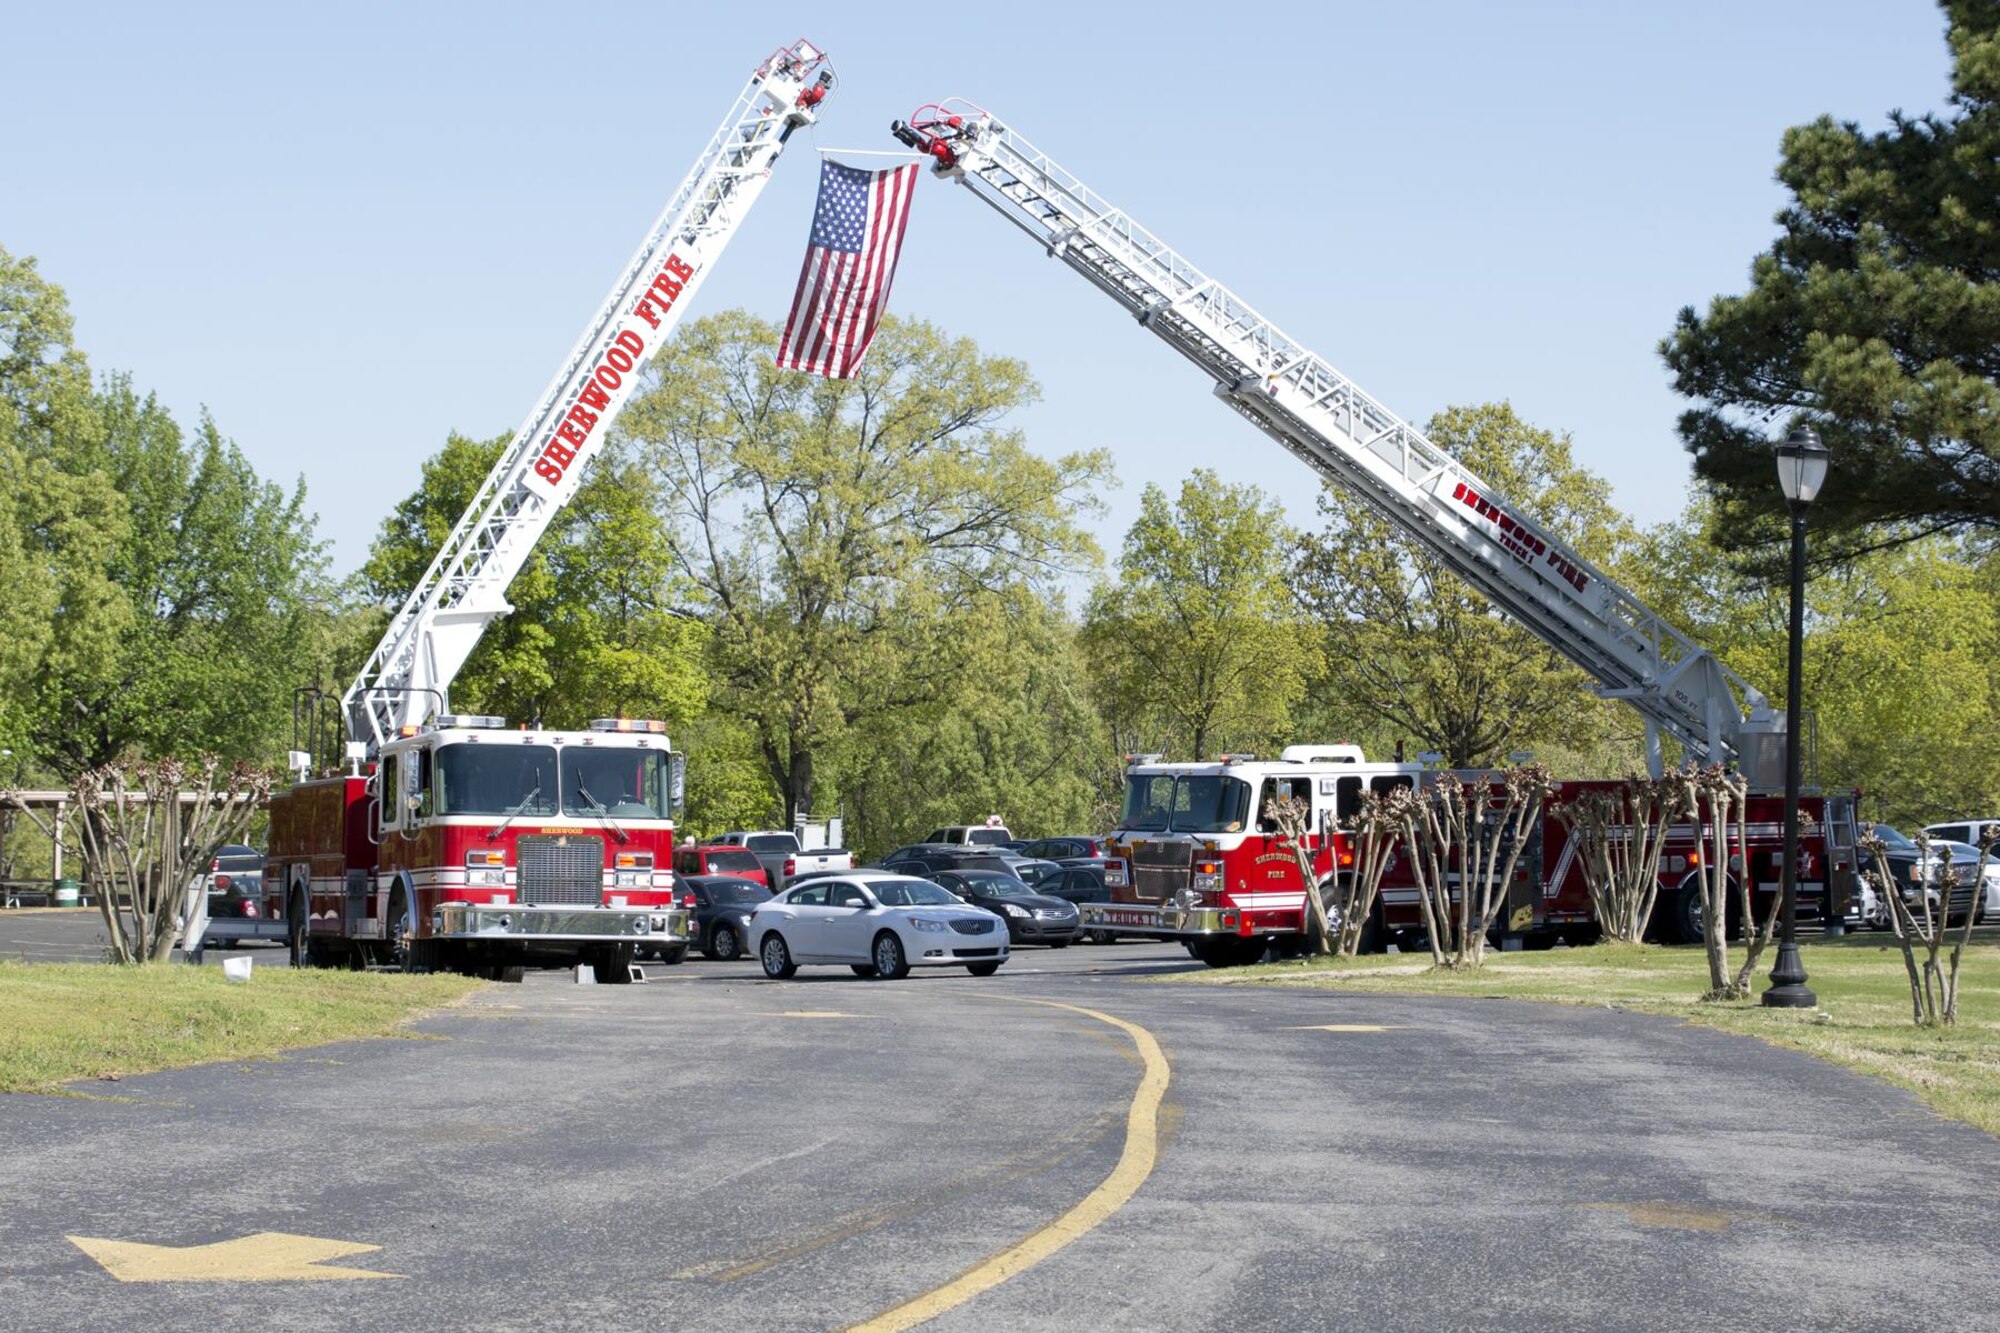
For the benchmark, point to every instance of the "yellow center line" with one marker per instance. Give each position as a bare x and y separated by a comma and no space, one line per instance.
1134,1165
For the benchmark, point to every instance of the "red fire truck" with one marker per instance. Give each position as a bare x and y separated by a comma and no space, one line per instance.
1209,872
1206,868
451,841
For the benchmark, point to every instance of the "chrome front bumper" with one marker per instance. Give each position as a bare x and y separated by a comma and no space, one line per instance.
648,925
1163,919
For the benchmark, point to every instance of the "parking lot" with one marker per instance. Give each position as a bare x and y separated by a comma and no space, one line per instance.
713,1149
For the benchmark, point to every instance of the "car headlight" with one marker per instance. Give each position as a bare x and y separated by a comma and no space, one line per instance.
1012,909
926,925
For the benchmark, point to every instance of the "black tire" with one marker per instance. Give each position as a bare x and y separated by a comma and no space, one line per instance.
887,951
673,956
1683,923
862,969
724,944
396,950
776,958
1100,937
1061,944
613,965
1229,951
512,976
297,942
982,969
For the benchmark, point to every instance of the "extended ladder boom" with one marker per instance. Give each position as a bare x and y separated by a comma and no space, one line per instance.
409,674
1325,419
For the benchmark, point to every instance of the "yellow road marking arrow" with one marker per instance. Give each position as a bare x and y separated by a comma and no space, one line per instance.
268,1256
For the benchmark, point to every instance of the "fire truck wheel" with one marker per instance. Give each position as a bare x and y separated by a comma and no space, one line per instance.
723,944
1683,924
296,942
396,951
890,964
776,958
613,964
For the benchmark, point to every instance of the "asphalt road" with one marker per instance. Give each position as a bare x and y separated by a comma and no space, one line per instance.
712,1150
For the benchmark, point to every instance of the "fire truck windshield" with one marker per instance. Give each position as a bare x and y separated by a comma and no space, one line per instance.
495,779
531,780
1161,802
627,783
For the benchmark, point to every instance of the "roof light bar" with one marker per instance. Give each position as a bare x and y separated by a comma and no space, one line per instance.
653,726
474,721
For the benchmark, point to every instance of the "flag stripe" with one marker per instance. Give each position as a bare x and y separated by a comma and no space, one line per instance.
843,287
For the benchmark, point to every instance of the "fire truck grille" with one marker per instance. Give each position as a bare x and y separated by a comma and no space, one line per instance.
565,869
1161,869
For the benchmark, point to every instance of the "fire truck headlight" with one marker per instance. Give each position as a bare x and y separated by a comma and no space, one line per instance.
632,879
489,876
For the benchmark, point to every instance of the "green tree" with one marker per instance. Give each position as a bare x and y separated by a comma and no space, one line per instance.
1901,661
834,529
1013,733
60,518
1198,647
598,629
217,567
1412,650
1876,312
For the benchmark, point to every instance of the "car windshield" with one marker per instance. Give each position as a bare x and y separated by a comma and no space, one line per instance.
733,858
910,893
742,893
628,782
1189,803
1896,841
995,886
988,837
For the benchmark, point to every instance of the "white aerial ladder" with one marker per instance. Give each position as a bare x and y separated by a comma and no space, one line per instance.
408,676
1678,687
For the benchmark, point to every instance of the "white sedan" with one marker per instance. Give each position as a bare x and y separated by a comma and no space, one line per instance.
879,924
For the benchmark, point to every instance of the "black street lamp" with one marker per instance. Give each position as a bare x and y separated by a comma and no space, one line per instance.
1802,463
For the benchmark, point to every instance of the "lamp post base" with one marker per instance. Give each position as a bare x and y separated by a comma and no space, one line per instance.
1788,981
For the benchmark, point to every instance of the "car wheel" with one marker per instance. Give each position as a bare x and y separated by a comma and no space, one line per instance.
1060,944
724,944
982,969
777,959
1102,937
863,969
890,964
672,957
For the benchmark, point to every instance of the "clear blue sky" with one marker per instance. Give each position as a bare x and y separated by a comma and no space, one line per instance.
348,229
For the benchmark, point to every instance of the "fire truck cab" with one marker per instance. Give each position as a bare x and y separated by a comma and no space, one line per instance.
478,849
1206,867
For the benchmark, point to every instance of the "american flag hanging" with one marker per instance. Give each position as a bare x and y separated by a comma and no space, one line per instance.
857,235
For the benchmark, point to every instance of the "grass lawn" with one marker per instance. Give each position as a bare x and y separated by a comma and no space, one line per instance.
1863,1020
63,1021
